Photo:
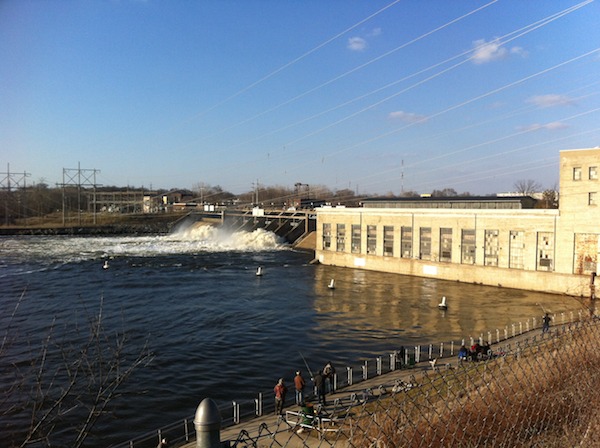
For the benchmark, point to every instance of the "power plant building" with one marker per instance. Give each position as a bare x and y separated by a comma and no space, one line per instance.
498,241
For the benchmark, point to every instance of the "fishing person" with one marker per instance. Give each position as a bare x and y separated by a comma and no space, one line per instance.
320,386
280,392
329,373
300,384
546,323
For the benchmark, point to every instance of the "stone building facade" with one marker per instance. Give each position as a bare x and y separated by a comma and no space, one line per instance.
491,241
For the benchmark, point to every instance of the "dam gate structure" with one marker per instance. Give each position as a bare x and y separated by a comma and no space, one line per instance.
291,225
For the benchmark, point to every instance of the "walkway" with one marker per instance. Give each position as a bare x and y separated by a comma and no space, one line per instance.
410,375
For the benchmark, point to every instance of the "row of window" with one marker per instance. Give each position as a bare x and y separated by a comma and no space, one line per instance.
592,173
545,244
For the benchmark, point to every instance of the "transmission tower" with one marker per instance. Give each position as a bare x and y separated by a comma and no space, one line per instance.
77,177
8,181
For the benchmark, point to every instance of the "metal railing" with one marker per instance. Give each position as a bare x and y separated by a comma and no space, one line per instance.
182,431
540,392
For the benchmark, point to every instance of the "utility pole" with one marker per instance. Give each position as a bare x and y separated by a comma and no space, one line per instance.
6,183
402,177
73,178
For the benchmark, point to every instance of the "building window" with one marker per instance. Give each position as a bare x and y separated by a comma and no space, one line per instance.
577,173
517,249
490,256
425,246
545,243
593,198
371,239
388,241
341,237
586,253
593,173
406,242
356,238
326,236
445,244
467,245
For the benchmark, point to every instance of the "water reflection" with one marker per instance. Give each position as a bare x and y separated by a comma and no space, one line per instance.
394,304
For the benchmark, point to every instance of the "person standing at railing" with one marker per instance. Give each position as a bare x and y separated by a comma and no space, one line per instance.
300,384
280,392
329,373
546,323
320,386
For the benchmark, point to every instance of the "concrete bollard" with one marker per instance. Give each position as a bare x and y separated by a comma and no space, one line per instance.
208,424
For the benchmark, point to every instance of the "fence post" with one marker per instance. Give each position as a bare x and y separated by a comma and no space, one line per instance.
505,333
452,348
563,317
441,349
406,357
527,326
392,361
236,412
349,376
208,424
366,370
379,365
186,429
417,354
520,327
259,405
513,330
430,351
334,385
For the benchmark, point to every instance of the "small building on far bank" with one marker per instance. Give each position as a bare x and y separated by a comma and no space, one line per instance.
498,241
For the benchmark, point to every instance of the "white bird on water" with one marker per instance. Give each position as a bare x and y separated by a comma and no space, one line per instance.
259,271
443,305
331,285
105,265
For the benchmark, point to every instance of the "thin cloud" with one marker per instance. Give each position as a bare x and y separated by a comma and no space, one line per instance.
356,43
551,100
550,127
492,51
406,117
375,32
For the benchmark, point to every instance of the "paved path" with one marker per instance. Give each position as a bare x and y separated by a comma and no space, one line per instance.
387,380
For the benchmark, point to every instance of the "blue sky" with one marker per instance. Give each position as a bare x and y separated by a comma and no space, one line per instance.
471,95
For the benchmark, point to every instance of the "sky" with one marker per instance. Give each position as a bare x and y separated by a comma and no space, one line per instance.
374,96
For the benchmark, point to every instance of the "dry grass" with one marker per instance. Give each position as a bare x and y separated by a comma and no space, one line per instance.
87,219
544,396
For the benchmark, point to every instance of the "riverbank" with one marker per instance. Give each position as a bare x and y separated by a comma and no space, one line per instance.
106,225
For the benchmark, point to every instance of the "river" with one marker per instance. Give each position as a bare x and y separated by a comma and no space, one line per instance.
216,328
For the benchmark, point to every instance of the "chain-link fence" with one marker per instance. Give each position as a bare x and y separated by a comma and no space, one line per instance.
542,392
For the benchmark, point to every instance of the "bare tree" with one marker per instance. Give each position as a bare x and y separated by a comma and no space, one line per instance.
527,187
410,194
549,198
67,382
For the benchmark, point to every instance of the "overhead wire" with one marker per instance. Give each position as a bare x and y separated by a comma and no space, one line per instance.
254,84
314,89
501,41
450,109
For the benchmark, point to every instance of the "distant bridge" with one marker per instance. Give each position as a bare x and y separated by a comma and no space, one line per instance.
293,226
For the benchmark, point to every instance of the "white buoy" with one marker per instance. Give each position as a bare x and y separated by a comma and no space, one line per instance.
259,271
105,265
443,305
330,285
